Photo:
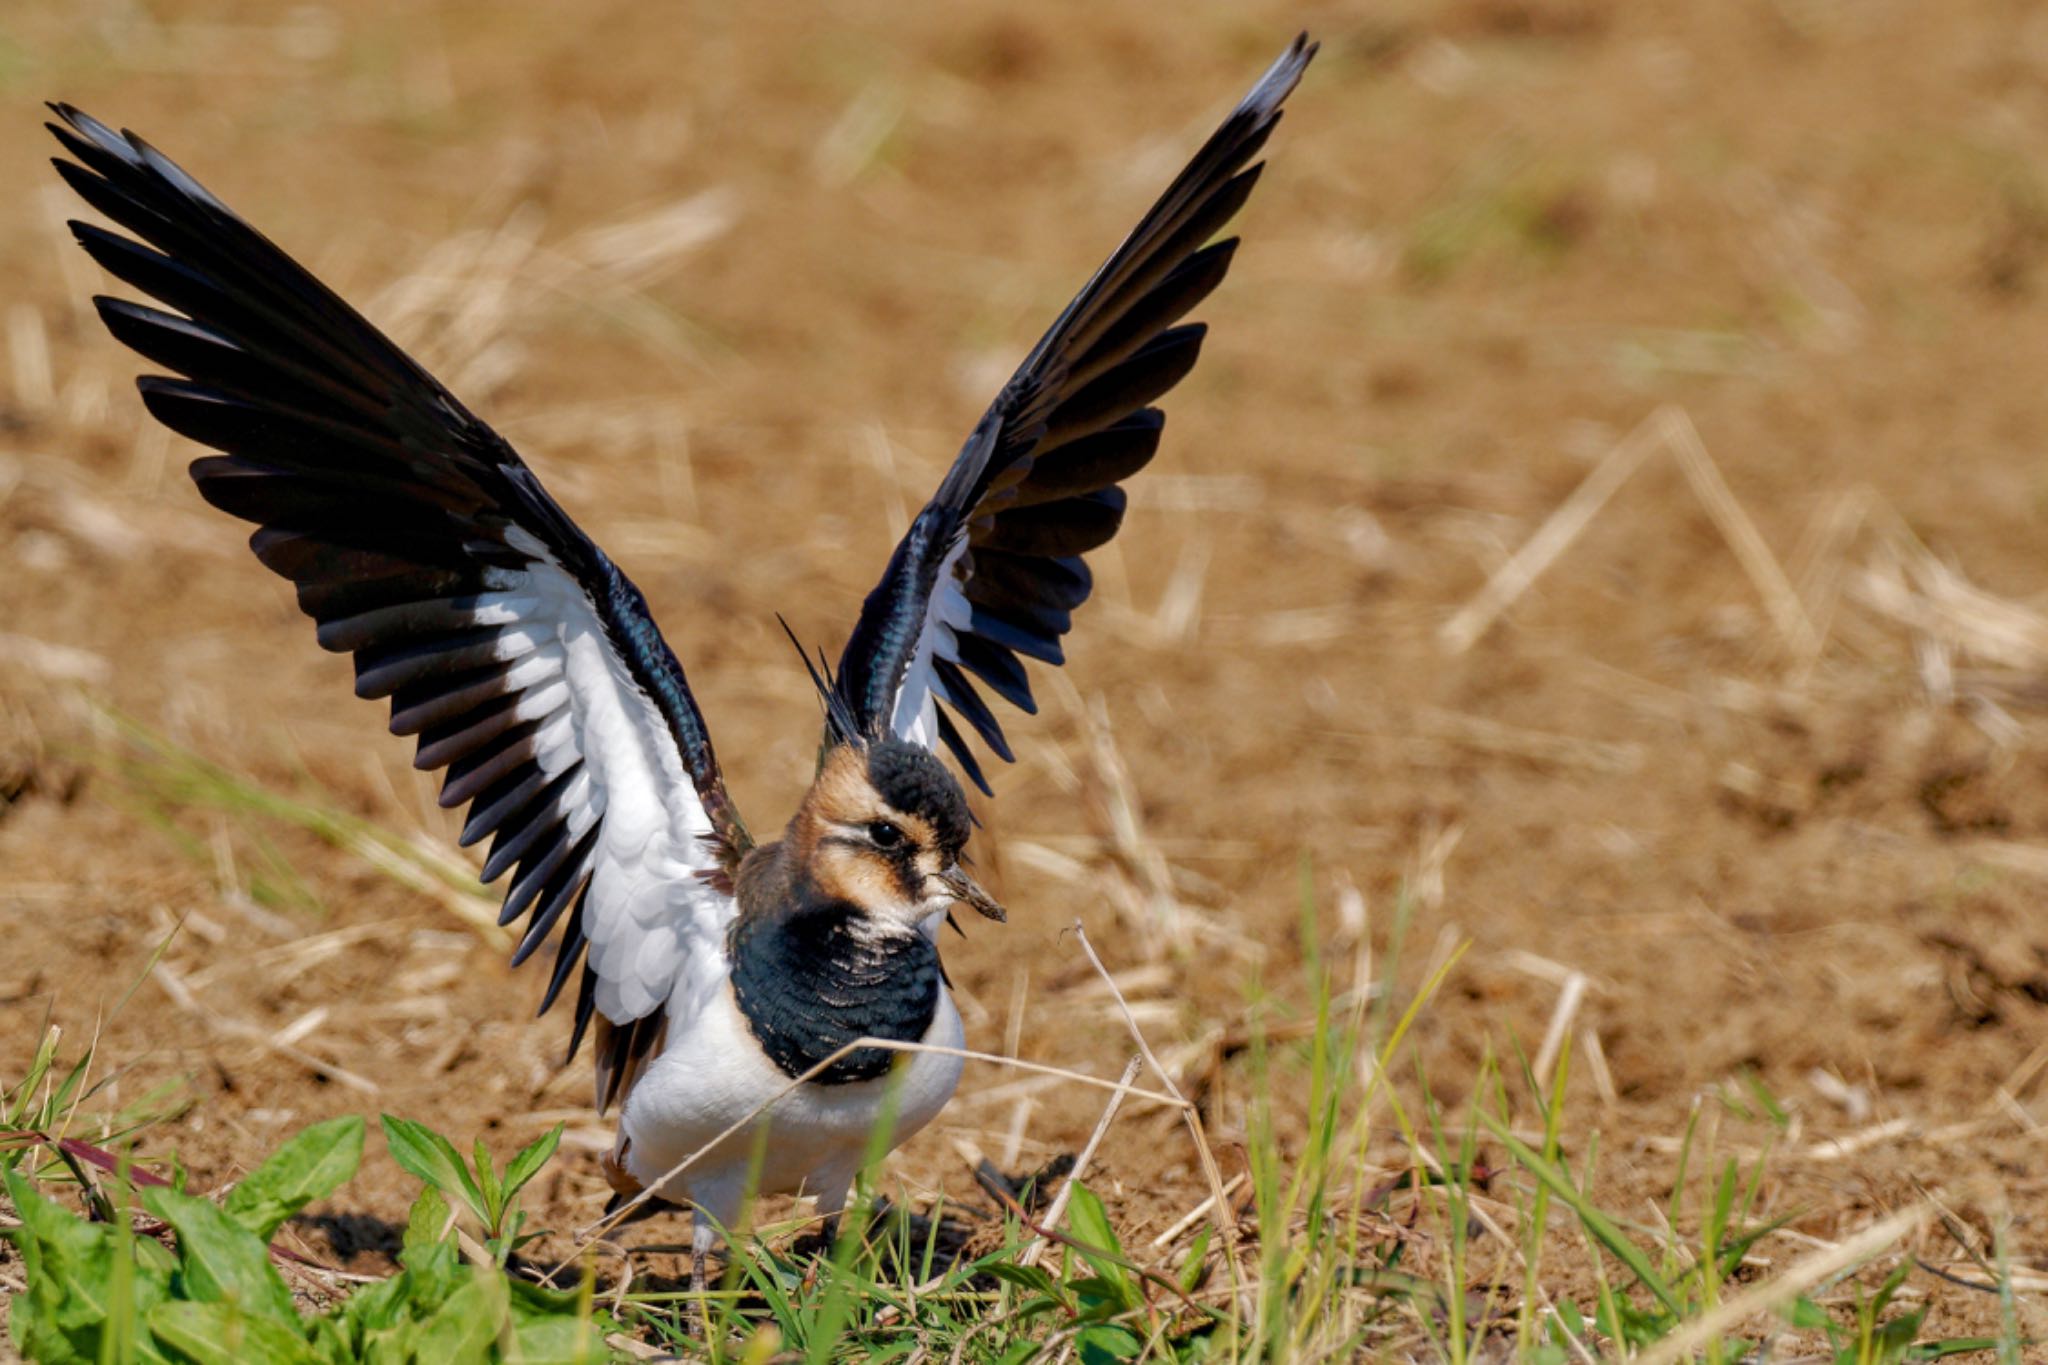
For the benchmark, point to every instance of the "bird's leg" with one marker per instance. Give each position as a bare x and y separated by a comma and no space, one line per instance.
703,1236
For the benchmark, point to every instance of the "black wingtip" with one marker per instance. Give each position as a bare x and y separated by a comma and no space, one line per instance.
79,124
1278,82
69,114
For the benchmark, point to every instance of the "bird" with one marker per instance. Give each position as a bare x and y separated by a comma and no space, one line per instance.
741,997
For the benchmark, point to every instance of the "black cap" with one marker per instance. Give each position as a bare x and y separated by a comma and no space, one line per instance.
911,778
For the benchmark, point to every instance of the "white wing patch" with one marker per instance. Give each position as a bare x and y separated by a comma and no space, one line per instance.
654,926
915,719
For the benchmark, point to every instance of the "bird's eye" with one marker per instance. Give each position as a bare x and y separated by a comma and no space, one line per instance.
885,835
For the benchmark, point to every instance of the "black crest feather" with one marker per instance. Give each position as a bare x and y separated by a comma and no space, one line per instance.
841,725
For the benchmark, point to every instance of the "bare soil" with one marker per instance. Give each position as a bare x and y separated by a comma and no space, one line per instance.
1495,236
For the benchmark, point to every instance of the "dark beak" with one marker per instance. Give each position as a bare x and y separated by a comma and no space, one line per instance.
968,891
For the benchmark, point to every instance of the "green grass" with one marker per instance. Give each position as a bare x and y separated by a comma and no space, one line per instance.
162,1274
1341,1259
1381,1223
51,1116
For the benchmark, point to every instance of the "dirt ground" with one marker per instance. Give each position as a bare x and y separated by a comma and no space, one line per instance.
738,287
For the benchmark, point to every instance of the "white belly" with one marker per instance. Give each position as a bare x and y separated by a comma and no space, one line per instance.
715,1075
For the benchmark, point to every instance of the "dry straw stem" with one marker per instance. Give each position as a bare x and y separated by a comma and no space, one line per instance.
1193,1117
272,1040
1823,554
1541,550
1197,1213
467,290
1435,736
1876,1135
1764,571
1568,1002
28,347
300,955
1773,1294
55,663
1824,1150
1543,748
1905,582
1054,1214
1668,428
1160,916
419,866
1595,1057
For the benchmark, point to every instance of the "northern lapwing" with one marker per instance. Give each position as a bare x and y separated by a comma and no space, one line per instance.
712,970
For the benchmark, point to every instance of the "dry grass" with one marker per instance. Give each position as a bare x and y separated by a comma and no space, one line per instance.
1726,763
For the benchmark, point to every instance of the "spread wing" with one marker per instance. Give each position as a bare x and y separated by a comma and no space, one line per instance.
991,568
524,663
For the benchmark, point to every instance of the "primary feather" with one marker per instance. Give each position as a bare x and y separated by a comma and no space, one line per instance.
519,656
992,568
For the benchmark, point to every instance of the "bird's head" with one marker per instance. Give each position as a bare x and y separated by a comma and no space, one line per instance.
883,828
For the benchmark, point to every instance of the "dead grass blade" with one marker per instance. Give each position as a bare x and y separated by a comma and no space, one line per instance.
283,1042
1058,1209
1801,642
1507,583
1188,1112
1671,429
1770,1295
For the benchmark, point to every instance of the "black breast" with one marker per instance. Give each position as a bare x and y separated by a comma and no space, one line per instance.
811,982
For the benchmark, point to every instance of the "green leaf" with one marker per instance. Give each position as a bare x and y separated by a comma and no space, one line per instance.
14,1110
1099,1298
1597,1224
140,1279
525,1239
372,1310
562,1339
1196,1265
1807,1315
530,1300
1895,1338
531,1158
67,1261
222,1332
1734,1248
433,1158
1890,1287
465,1326
426,1225
1101,1342
76,1305
1026,1277
487,1180
219,1260
310,1166
1040,1304
428,1253
1089,1222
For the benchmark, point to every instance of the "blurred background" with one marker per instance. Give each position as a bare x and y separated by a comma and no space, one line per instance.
1734,781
